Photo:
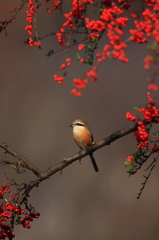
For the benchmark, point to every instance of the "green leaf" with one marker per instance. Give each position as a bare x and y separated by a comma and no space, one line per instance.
152,47
89,60
128,164
157,118
13,166
78,55
74,41
136,108
89,46
50,53
156,133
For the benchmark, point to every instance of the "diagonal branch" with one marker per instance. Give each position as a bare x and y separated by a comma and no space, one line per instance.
152,165
42,175
68,160
5,23
23,161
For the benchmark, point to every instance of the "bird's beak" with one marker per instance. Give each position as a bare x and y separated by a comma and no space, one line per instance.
70,125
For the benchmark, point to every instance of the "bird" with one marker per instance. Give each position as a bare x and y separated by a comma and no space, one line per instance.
84,138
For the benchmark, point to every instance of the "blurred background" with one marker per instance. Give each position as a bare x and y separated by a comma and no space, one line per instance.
35,116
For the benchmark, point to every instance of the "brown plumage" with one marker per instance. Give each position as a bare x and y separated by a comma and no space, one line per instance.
83,137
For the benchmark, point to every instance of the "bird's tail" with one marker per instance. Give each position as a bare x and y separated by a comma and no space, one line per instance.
94,162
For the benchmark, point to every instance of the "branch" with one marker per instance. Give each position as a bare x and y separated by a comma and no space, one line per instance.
68,160
23,162
5,23
152,165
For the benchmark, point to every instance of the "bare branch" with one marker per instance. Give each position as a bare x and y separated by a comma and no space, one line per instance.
24,162
5,23
152,165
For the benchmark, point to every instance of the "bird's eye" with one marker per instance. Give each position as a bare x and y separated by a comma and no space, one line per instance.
80,124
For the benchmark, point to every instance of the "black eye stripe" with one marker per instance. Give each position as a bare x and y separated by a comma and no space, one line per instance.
79,124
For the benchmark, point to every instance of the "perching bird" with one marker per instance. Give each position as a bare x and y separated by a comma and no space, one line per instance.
83,137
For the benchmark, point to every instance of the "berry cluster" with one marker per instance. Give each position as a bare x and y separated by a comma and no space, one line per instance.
66,64
150,115
59,79
60,39
109,21
11,213
56,4
29,27
29,218
141,135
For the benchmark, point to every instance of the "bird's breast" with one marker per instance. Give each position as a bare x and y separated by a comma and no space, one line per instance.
82,137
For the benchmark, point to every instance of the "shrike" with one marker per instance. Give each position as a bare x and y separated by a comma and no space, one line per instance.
83,137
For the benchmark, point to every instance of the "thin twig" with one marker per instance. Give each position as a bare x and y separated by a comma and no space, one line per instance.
146,178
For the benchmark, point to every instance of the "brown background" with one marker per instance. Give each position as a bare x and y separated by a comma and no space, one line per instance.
34,120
